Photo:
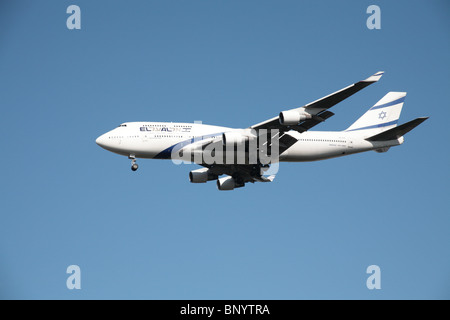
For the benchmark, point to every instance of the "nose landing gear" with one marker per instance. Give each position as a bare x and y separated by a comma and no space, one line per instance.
134,165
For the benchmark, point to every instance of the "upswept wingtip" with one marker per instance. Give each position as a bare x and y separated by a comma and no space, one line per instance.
375,77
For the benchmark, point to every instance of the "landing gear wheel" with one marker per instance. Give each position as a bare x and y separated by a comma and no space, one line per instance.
134,165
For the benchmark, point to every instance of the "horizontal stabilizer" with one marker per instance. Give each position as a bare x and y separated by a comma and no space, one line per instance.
397,132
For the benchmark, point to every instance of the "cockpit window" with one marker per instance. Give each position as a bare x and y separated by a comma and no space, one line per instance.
122,125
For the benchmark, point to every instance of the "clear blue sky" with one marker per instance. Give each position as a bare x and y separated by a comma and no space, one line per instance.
151,234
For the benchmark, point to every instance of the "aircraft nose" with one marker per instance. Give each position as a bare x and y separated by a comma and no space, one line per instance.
101,140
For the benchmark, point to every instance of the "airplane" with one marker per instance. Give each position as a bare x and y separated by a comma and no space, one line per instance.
238,154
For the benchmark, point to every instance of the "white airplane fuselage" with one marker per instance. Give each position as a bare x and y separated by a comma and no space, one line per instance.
154,140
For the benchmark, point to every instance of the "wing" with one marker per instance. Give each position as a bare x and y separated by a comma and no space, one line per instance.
317,110
242,173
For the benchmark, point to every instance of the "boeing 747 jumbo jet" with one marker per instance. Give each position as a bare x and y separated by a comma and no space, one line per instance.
244,155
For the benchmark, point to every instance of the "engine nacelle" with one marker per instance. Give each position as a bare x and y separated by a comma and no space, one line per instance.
226,183
201,176
237,137
293,117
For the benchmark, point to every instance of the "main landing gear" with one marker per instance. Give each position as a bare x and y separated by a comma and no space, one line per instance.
134,165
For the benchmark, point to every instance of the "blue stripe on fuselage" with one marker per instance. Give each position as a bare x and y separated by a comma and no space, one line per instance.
166,154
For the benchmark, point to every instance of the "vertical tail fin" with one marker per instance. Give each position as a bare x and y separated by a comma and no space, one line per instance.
382,116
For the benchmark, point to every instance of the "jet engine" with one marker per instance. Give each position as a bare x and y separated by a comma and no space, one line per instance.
237,137
293,117
201,175
226,183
